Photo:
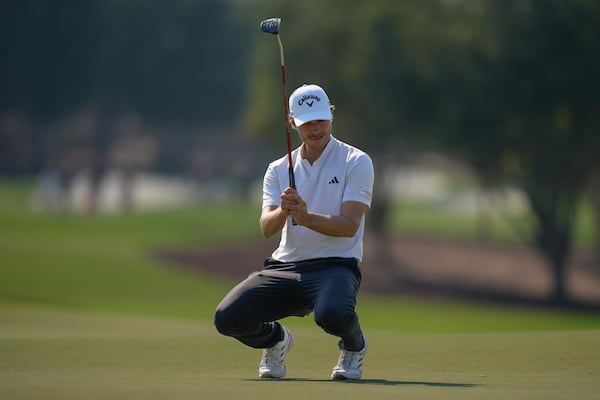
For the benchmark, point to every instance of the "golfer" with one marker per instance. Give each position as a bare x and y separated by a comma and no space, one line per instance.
316,267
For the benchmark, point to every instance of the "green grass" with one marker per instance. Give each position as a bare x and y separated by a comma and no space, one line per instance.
87,312
67,355
107,263
421,316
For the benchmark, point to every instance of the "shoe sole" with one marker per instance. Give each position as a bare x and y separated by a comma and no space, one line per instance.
269,376
339,377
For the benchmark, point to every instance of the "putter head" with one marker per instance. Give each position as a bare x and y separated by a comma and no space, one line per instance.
270,25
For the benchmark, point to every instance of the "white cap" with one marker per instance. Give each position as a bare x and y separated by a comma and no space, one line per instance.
309,103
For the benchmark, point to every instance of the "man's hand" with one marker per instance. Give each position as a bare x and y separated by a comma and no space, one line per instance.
293,205
273,218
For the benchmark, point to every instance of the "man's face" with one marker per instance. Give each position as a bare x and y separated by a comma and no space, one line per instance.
315,133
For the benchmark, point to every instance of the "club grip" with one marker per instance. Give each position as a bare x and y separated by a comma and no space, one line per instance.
292,179
292,185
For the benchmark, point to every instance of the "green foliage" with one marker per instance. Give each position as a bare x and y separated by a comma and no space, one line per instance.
180,60
463,75
505,86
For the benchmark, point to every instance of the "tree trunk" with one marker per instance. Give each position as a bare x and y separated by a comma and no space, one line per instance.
595,199
557,263
555,215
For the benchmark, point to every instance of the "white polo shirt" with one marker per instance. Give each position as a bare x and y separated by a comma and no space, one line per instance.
342,173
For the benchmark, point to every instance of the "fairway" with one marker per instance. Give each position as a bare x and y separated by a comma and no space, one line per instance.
46,354
90,314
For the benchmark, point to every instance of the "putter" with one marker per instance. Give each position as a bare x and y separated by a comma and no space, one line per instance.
271,25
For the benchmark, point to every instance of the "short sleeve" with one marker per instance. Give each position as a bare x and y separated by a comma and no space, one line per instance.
271,188
360,180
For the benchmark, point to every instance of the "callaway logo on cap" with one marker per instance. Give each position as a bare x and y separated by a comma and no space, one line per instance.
309,103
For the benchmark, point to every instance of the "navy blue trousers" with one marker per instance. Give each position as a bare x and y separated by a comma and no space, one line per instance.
327,287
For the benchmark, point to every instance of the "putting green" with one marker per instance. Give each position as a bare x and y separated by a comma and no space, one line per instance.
49,354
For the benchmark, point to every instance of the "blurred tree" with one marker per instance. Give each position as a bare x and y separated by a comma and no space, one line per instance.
595,200
506,86
165,60
47,50
181,61
530,116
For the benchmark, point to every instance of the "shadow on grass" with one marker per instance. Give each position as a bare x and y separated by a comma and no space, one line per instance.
383,382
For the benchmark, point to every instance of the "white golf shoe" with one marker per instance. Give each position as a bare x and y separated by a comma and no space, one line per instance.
272,364
350,364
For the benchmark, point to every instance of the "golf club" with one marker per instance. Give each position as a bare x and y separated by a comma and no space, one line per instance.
271,25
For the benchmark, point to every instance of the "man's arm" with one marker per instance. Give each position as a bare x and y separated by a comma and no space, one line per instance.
345,225
272,220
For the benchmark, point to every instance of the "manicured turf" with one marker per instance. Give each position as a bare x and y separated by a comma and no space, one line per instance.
49,354
87,312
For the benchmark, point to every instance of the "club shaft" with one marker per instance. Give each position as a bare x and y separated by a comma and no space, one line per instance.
292,179
280,50
286,113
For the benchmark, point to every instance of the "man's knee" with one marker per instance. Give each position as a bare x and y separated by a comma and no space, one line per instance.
223,322
335,321
232,322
